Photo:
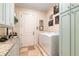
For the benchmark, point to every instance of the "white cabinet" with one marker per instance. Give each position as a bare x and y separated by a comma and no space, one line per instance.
73,5
2,13
16,48
14,51
75,31
11,52
69,32
67,6
72,34
64,7
11,14
7,14
65,34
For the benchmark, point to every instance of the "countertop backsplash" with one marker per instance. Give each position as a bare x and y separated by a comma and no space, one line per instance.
2,31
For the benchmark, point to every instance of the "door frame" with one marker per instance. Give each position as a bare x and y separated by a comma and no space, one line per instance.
21,31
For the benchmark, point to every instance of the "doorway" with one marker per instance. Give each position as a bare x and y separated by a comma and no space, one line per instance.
27,29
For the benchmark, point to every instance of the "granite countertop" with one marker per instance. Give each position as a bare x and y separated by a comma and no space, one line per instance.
6,46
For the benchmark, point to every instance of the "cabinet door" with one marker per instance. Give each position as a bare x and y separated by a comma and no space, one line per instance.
16,49
11,14
64,7
75,14
73,5
7,15
64,34
72,33
2,13
11,52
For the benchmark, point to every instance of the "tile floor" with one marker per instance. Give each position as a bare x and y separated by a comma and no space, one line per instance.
30,51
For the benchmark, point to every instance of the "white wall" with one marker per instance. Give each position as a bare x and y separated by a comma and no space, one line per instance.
55,27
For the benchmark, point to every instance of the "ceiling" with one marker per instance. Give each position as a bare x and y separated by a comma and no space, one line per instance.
36,6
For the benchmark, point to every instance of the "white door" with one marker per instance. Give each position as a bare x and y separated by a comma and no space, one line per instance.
27,29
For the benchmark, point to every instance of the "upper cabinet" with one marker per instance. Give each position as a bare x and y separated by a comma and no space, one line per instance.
64,7
2,13
12,14
73,5
67,6
7,14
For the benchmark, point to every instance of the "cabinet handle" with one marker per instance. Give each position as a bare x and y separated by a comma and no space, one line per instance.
33,33
10,23
72,12
68,13
68,7
72,5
